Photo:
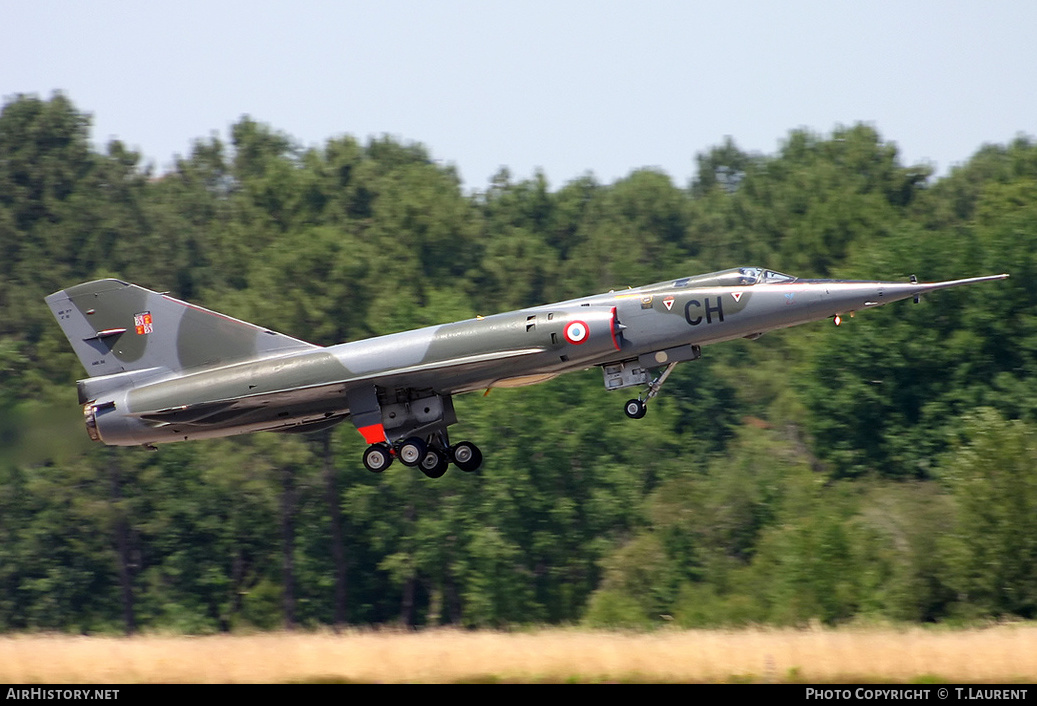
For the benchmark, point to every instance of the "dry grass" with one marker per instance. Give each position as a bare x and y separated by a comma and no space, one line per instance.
1005,653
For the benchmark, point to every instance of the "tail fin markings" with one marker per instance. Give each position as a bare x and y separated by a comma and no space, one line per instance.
117,327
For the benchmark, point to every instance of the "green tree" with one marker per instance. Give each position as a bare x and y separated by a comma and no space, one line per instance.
995,492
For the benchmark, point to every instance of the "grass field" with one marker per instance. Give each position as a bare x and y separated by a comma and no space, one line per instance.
1006,653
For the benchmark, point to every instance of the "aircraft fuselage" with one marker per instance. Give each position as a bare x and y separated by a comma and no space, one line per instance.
400,385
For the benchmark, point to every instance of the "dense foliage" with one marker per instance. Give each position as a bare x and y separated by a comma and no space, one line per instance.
882,469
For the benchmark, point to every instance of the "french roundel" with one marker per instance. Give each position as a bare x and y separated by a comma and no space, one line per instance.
576,332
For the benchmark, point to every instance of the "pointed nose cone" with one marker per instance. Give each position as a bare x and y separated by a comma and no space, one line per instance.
845,297
930,286
894,291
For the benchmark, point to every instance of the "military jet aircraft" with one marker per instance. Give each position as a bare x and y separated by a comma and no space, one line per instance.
163,370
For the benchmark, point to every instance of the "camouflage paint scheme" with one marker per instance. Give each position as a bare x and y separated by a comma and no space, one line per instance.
163,370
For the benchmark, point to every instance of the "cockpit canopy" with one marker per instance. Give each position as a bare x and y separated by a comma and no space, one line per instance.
758,275
734,277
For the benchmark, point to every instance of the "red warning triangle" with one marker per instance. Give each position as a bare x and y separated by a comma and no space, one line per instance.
736,295
668,302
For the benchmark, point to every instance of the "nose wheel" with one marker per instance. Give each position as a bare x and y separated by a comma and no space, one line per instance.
635,409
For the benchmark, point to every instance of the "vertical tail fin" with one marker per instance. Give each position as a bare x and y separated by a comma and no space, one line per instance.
117,327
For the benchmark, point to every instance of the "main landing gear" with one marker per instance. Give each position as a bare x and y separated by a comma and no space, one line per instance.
432,456
637,408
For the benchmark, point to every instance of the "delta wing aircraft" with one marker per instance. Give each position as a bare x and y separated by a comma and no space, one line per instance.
163,370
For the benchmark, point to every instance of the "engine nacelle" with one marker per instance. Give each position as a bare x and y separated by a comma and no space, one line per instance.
105,422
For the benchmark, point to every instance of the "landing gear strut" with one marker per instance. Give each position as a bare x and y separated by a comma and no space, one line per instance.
637,408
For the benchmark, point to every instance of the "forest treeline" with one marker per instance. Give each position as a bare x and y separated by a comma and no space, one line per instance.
884,469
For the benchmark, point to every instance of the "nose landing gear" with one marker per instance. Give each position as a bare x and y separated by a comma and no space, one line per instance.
637,408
